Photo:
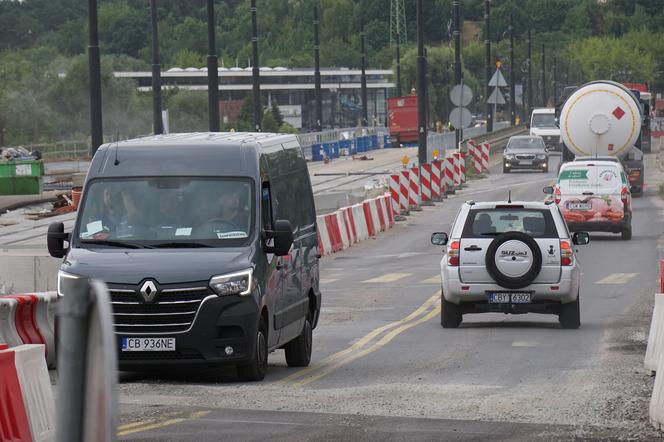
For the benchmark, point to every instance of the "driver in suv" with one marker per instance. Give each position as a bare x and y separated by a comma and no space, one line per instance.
510,258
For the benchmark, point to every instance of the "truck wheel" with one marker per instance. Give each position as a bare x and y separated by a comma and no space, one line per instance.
257,368
570,315
626,234
298,351
450,316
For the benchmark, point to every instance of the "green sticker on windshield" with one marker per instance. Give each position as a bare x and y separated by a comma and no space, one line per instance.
574,174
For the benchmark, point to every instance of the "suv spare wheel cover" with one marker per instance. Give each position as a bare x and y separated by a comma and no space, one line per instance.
514,260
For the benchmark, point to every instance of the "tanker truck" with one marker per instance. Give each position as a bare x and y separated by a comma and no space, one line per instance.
602,120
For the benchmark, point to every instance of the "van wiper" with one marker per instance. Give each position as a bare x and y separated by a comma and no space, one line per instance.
181,245
106,242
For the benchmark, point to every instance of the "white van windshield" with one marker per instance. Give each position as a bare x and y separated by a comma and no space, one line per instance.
544,120
596,178
166,211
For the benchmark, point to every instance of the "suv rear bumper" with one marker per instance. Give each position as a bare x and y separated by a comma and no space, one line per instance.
462,293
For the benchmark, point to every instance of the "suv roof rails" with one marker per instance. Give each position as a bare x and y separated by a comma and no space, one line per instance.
470,202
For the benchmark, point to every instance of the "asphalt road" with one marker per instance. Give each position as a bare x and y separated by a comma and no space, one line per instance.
384,368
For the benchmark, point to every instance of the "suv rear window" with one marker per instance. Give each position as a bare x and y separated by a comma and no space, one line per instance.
482,223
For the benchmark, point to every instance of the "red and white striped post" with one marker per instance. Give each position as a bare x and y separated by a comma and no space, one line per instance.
404,192
486,151
449,174
395,198
462,166
456,159
425,183
414,190
436,189
476,155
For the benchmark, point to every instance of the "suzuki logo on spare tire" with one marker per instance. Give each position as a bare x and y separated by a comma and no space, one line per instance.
513,260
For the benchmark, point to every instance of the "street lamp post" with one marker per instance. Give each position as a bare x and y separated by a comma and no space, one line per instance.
213,72
94,69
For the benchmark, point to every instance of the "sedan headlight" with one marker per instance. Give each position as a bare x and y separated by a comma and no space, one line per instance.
238,283
509,156
62,276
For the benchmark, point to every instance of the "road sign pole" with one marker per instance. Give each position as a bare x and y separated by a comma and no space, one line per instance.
421,86
487,63
460,109
255,71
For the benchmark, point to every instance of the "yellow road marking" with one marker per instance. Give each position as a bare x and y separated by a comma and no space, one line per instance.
140,427
432,280
364,341
617,278
390,277
375,347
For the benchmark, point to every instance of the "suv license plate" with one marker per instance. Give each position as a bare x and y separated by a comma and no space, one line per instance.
148,344
509,298
579,206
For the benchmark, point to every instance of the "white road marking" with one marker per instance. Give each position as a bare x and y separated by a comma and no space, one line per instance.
617,278
525,344
328,281
389,277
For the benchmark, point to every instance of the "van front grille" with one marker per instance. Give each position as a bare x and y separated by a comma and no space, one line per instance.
173,310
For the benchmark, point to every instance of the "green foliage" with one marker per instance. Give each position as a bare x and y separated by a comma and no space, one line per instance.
276,113
269,123
188,111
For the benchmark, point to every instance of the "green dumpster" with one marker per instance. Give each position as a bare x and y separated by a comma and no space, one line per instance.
21,177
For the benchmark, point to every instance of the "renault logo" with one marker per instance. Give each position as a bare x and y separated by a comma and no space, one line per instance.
148,291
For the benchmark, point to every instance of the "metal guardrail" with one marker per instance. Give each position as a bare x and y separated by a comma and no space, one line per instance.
447,140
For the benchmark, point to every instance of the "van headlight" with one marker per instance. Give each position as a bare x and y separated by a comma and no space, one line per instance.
238,283
63,276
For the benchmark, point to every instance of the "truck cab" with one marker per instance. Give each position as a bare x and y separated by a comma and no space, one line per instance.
543,123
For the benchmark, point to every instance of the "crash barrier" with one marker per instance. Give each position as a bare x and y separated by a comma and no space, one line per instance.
27,408
656,335
343,142
414,190
486,153
29,319
349,225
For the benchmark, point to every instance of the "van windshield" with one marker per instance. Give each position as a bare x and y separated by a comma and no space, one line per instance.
166,212
544,120
604,178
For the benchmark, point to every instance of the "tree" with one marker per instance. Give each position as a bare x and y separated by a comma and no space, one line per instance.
269,123
276,113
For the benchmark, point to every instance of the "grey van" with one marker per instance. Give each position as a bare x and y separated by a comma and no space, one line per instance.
208,244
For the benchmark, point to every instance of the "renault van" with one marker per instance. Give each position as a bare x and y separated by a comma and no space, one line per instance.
208,245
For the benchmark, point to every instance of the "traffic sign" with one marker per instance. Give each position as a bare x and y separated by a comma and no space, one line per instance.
497,80
461,95
460,117
496,97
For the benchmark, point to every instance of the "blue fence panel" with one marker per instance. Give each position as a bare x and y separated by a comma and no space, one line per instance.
387,142
317,152
373,142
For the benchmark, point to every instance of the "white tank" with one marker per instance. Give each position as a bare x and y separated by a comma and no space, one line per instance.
600,118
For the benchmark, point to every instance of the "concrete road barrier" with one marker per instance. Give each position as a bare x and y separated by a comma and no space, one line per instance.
656,335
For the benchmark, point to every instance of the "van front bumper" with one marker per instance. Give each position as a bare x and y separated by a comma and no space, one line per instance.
221,322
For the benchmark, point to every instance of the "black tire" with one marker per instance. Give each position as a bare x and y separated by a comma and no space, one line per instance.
545,169
626,234
257,368
450,316
506,169
298,351
570,315
511,282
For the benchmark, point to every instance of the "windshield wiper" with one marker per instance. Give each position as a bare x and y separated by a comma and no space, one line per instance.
182,245
106,242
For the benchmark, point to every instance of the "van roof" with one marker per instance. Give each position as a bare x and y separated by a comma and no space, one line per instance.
590,163
199,154
544,110
231,138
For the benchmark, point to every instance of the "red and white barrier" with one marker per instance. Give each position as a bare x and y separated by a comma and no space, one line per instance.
475,153
449,173
8,332
388,213
456,161
486,152
395,194
404,187
27,408
655,346
324,241
45,319
436,191
360,222
425,182
414,190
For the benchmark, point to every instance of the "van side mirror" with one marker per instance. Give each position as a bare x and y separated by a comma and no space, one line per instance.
581,238
548,190
282,236
55,240
439,239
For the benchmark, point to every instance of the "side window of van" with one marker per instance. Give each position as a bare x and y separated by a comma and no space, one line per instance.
266,206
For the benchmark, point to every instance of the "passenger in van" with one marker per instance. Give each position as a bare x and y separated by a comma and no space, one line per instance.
131,223
170,207
108,209
229,209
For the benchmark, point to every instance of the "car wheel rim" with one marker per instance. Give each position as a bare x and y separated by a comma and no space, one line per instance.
261,350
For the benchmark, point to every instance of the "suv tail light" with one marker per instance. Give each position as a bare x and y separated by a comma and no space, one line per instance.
556,195
566,253
453,254
624,196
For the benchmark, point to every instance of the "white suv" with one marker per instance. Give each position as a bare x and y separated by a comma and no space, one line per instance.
514,257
